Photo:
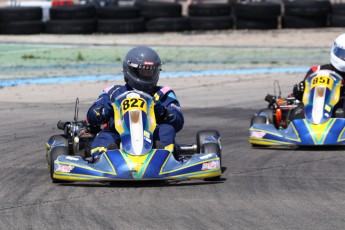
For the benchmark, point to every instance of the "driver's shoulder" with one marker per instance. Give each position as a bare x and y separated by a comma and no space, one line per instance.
114,90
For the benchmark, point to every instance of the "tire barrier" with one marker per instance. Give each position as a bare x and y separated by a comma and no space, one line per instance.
165,17
265,16
83,26
130,25
306,14
337,15
210,16
117,19
21,20
176,24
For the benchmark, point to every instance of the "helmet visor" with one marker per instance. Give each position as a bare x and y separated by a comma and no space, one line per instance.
146,73
339,52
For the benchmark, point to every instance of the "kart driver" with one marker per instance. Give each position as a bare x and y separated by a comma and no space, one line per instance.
141,69
337,64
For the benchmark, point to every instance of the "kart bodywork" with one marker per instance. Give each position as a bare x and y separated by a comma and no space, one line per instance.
319,127
135,158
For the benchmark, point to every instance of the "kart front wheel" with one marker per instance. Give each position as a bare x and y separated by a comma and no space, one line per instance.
213,148
203,135
54,154
61,140
258,120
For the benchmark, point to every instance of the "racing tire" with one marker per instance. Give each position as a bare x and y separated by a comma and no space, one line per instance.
116,12
60,138
21,27
10,14
269,113
304,22
337,21
258,120
87,26
159,9
167,24
209,9
131,25
338,9
307,7
211,23
72,12
213,148
259,24
258,10
54,154
202,135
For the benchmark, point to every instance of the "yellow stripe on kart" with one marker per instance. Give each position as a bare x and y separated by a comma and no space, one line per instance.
198,175
187,166
319,132
138,164
341,134
89,168
268,142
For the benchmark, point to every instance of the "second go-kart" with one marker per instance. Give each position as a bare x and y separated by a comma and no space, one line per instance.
137,157
320,125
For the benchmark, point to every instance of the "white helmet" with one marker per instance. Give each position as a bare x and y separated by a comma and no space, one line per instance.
338,53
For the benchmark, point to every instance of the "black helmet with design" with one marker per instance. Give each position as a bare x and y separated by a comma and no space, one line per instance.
141,68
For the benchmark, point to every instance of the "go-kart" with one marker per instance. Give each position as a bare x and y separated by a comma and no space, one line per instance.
138,156
318,125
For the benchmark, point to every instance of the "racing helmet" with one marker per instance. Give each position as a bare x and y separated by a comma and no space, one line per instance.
141,68
338,53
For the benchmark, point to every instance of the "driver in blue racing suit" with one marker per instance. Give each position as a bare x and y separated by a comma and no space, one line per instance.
141,69
337,64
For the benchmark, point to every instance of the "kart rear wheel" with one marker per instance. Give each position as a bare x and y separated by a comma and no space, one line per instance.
212,148
54,154
258,120
202,135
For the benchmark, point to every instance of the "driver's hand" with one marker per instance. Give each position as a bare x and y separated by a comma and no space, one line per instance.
160,110
107,112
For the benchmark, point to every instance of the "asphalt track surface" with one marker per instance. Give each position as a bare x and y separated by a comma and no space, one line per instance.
259,189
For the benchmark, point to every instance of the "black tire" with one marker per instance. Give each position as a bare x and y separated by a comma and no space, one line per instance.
209,10
54,154
304,22
211,23
338,9
259,24
116,12
167,24
72,12
338,21
22,27
135,25
159,9
213,148
269,113
70,26
202,135
258,10
10,14
306,7
61,139
258,120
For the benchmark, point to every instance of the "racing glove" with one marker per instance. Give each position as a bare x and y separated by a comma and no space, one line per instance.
298,90
160,111
107,112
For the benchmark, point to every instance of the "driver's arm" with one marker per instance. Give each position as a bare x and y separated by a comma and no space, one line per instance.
94,114
174,114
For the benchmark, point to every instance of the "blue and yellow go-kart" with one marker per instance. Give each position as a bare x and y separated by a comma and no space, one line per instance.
319,125
137,157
